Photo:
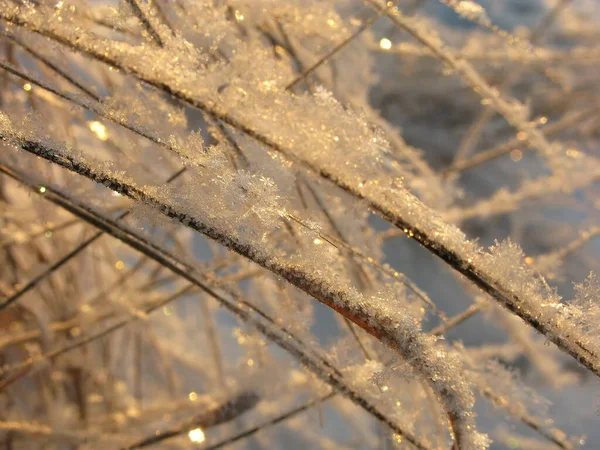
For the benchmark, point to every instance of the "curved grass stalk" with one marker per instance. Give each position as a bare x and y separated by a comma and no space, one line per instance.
431,234
542,56
402,278
423,225
273,332
395,329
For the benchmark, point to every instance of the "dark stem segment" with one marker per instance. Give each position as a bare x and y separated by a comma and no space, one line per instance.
225,412
281,418
135,8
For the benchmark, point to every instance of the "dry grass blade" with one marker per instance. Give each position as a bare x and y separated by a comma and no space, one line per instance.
319,366
281,418
303,129
226,412
414,349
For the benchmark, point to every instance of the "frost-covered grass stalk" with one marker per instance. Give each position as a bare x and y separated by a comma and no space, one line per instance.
210,210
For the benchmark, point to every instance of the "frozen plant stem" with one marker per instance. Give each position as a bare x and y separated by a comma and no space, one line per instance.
364,26
398,207
284,136
226,412
509,111
518,144
243,310
283,417
377,200
145,20
442,372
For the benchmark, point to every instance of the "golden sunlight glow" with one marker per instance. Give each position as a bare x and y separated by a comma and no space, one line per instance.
385,44
98,129
197,435
27,87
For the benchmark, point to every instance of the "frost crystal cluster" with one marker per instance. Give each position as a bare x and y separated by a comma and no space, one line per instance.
336,224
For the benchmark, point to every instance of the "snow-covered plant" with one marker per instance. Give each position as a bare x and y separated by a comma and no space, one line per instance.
209,211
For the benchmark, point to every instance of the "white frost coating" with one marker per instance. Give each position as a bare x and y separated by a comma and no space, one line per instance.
247,101
473,11
586,306
242,208
382,314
